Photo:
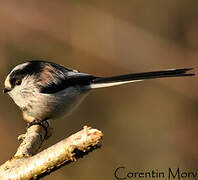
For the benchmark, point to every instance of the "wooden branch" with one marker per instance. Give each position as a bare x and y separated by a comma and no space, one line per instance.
26,164
33,139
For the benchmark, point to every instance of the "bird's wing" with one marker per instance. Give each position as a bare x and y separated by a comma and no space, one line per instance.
55,78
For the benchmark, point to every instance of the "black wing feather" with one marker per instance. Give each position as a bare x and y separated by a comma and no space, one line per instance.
66,82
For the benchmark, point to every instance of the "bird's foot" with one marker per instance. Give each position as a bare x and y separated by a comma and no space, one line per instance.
43,123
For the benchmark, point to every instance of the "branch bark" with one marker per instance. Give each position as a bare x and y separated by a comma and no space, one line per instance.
27,163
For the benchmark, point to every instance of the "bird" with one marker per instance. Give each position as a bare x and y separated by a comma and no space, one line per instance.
45,90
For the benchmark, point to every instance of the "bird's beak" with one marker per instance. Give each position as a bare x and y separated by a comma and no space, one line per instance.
6,90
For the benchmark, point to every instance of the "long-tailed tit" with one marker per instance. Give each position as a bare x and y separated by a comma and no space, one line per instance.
45,90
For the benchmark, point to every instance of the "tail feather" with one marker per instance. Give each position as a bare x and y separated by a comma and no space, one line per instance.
123,79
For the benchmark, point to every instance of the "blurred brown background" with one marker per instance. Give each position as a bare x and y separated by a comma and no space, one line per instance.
147,125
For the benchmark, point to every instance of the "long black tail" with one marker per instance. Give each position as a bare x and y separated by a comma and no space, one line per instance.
122,79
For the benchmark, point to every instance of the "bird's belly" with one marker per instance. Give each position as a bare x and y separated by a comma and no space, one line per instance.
53,106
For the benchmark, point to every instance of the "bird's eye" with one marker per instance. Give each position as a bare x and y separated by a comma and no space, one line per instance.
18,82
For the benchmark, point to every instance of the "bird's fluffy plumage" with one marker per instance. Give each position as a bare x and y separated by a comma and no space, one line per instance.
46,90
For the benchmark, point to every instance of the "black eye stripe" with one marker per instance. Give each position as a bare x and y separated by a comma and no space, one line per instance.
12,81
29,69
15,81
